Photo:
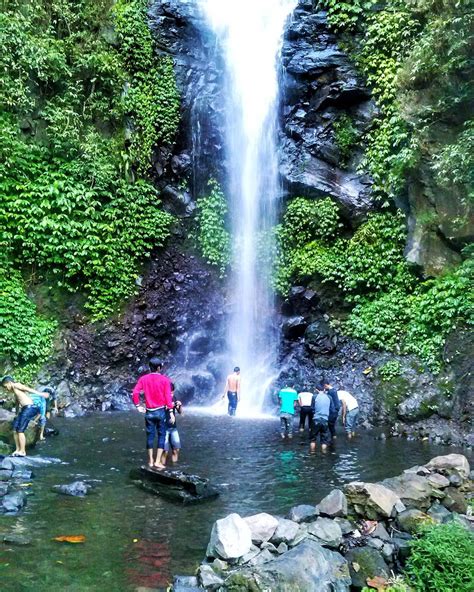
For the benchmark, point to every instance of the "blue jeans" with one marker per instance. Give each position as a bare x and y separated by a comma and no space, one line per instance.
232,402
155,423
351,420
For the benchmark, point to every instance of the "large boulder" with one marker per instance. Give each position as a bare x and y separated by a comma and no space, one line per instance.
309,567
366,562
303,513
414,491
231,538
450,463
320,337
327,531
412,520
373,500
262,527
6,429
334,504
286,532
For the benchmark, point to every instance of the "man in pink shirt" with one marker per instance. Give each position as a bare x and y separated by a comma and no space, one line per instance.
156,388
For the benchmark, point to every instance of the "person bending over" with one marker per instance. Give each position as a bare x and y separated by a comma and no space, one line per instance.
51,408
172,440
304,400
156,388
321,405
232,388
336,405
26,410
350,412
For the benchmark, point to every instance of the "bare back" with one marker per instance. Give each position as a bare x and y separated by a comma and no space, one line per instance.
233,383
22,397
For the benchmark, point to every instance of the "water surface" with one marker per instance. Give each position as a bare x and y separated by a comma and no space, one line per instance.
135,539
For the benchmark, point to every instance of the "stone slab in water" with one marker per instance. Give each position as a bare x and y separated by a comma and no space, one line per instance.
174,485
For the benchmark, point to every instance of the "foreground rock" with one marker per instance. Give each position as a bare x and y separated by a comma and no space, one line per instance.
231,538
360,535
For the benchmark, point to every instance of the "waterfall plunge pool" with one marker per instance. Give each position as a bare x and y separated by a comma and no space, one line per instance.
135,540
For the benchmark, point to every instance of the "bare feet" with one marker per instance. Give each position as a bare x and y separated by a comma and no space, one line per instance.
158,466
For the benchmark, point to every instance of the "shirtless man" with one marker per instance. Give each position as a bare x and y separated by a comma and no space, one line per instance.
26,411
232,389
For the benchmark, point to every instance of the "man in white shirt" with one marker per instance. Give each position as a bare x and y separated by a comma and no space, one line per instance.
350,412
306,411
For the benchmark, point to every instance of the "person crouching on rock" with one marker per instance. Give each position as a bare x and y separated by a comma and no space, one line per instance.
322,406
157,390
26,411
172,435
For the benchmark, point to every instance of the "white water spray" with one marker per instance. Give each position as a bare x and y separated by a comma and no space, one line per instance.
250,33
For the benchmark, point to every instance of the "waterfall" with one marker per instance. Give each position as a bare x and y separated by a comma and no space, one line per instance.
249,34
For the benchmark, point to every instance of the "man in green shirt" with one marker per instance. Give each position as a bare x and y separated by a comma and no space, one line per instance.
288,399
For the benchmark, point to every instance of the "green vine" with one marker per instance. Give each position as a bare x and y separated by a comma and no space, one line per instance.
212,236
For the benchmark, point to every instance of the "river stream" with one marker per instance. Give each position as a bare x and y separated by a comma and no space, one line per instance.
135,539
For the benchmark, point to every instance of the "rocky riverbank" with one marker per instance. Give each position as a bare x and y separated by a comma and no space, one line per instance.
340,544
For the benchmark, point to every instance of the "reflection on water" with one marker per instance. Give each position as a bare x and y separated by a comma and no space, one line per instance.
134,539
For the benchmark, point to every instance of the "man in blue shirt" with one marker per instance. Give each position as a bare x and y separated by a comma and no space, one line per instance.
288,398
322,407
336,405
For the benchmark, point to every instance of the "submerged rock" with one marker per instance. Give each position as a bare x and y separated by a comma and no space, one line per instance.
13,502
76,489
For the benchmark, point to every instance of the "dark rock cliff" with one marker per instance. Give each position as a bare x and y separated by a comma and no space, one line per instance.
180,311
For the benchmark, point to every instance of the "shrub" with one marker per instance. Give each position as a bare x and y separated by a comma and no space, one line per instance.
345,136
212,236
442,558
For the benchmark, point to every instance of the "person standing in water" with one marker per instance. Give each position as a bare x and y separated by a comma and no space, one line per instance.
232,389
336,405
350,412
304,400
288,399
26,410
172,440
322,406
156,388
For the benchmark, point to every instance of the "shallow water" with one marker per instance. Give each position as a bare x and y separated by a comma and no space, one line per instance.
136,539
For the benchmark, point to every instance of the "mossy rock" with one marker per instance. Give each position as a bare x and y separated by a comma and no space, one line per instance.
6,431
366,562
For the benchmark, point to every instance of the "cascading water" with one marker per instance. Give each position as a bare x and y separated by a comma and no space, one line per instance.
250,35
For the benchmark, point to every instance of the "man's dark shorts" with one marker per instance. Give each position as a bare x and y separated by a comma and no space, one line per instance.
320,428
21,421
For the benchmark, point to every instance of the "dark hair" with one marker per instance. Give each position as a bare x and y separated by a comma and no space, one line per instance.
49,390
155,363
172,386
236,369
7,378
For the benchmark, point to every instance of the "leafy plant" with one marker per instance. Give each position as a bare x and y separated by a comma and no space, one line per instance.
213,237
442,558
390,370
345,136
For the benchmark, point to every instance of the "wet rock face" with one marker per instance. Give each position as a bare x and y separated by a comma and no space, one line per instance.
180,31
320,85
177,316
